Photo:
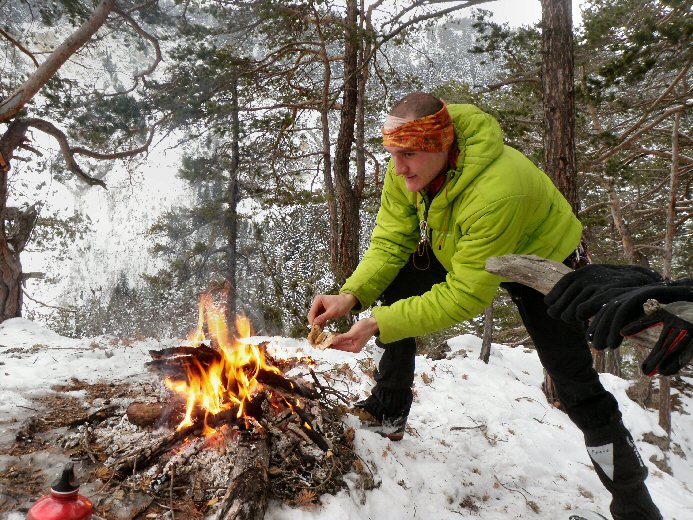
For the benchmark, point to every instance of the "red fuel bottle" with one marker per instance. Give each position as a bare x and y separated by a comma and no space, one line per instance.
64,501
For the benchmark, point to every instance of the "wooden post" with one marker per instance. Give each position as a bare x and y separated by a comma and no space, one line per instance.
488,334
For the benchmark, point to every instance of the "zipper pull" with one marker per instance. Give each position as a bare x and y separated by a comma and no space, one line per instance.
423,230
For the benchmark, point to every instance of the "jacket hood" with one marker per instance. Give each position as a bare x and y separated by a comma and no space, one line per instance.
480,141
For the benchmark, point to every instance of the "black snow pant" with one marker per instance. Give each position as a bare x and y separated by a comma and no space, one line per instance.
564,353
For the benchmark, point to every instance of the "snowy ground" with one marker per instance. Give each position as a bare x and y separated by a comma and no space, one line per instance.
482,441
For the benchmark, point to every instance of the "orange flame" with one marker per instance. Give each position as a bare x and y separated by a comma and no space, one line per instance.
231,381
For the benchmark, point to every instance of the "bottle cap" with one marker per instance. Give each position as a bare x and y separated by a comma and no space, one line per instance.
67,482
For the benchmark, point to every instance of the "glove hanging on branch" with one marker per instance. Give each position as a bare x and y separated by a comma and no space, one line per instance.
673,350
604,330
580,294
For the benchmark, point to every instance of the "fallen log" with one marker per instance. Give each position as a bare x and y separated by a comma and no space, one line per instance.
542,274
246,496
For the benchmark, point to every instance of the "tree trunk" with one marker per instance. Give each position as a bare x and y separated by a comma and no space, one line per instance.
231,217
346,195
15,229
664,382
633,255
559,109
13,103
559,97
488,334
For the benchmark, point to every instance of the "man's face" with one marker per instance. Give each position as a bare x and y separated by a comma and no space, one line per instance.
417,168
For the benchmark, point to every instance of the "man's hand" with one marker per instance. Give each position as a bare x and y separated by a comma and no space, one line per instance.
357,336
674,348
581,293
330,306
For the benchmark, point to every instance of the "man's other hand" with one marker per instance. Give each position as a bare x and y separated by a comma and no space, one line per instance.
330,306
357,336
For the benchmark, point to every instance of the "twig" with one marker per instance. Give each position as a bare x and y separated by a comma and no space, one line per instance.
456,428
67,309
85,444
514,490
170,493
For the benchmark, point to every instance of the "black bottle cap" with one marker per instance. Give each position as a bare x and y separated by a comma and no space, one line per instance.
67,482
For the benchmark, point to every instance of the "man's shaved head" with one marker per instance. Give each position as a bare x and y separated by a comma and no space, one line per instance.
416,105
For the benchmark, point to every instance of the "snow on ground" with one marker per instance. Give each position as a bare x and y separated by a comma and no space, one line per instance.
482,441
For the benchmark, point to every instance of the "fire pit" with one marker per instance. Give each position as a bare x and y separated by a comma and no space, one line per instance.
228,431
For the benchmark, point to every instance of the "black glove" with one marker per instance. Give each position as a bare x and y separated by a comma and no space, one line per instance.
673,349
604,329
580,294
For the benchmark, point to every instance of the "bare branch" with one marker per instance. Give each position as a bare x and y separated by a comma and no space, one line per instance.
21,96
428,16
627,142
68,154
495,86
19,45
144,34
117,155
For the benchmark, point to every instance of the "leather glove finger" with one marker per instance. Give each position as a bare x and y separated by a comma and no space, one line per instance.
674,347
581,285
628,307
599,328
601,297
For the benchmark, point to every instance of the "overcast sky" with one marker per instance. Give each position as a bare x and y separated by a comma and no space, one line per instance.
522,12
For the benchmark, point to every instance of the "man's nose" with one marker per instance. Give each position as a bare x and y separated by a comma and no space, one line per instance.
401,167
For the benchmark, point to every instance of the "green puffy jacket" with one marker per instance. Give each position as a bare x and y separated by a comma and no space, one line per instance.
495,202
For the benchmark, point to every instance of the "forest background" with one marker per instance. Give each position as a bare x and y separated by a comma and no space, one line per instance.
260,122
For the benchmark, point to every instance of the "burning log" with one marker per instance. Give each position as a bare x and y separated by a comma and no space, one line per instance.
246,496
144,457
269,378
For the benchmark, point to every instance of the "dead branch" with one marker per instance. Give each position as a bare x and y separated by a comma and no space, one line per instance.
67,152
19,45
542,274
144,34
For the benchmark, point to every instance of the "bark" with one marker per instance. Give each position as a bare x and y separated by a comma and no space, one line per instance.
231,216
246,496
559,97
559,109
145,414
23,94
485,353
346,194
15,229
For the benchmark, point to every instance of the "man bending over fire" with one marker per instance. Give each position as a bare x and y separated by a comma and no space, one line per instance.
455,195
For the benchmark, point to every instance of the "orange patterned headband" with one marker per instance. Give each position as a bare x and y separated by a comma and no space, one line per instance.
434,133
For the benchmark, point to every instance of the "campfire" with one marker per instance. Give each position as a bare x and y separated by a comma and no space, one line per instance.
228,430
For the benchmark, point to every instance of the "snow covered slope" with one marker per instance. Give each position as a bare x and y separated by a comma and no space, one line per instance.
482,441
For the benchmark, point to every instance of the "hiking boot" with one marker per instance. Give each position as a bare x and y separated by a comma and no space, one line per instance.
636,505
391,427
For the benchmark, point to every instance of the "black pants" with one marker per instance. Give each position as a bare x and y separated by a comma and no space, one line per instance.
564,353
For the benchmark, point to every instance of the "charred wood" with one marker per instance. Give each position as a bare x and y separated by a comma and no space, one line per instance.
246,497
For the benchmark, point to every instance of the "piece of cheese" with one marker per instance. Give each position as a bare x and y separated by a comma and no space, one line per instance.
319,338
